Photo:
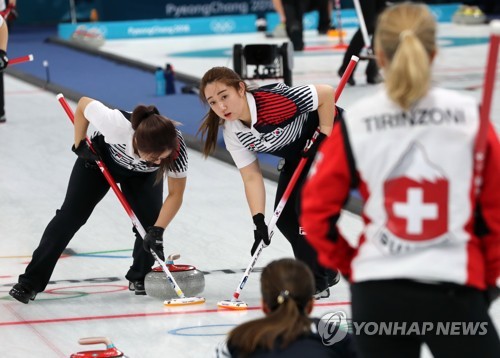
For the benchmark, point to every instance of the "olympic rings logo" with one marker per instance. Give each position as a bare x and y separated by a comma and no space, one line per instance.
222,26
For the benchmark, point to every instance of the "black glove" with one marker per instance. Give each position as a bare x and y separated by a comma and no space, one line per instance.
310,151
4,60
83,151
154,241
260,233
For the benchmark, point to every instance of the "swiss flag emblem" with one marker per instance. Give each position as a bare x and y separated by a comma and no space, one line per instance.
416,198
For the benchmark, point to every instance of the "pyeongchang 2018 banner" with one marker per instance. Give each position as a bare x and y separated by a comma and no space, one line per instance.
118,10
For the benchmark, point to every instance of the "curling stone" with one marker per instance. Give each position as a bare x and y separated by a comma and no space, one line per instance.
92,37
468,15
190,280
109,352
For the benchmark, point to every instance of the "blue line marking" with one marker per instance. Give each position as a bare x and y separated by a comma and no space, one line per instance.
176,332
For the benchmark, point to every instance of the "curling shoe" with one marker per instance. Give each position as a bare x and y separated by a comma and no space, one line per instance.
22,293
322,294
333,277
138,287
374,80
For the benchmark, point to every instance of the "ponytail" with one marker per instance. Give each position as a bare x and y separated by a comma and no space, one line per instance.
405,37
209,131
409,75
279,328
142,113
154,134
287,287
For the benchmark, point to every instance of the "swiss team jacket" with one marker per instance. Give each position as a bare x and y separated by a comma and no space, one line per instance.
414,171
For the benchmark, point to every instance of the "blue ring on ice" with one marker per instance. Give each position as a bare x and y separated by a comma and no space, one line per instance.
179,331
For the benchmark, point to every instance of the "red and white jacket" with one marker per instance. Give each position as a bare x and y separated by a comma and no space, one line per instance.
414,171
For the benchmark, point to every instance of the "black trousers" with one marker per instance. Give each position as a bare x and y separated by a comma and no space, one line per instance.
410,301
87,186
295,11
370,9
288,222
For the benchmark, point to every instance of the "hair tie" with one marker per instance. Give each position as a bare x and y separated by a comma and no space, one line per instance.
283,296
405,33
148,114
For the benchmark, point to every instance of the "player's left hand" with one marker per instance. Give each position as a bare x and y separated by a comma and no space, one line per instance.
261,232
154,241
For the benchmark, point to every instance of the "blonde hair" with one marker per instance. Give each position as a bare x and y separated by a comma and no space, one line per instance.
406,35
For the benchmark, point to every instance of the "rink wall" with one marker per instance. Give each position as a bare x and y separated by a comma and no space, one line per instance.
213,25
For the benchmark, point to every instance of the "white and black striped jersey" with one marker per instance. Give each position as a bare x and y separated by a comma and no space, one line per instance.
117,130
279,114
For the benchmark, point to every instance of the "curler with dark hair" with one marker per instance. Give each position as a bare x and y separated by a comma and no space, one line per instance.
287,330
287,288
154,134
120,140
142,112
209,127
275,119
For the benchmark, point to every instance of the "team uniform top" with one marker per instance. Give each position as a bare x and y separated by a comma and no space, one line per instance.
117,130
279,114
308,345
414,171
